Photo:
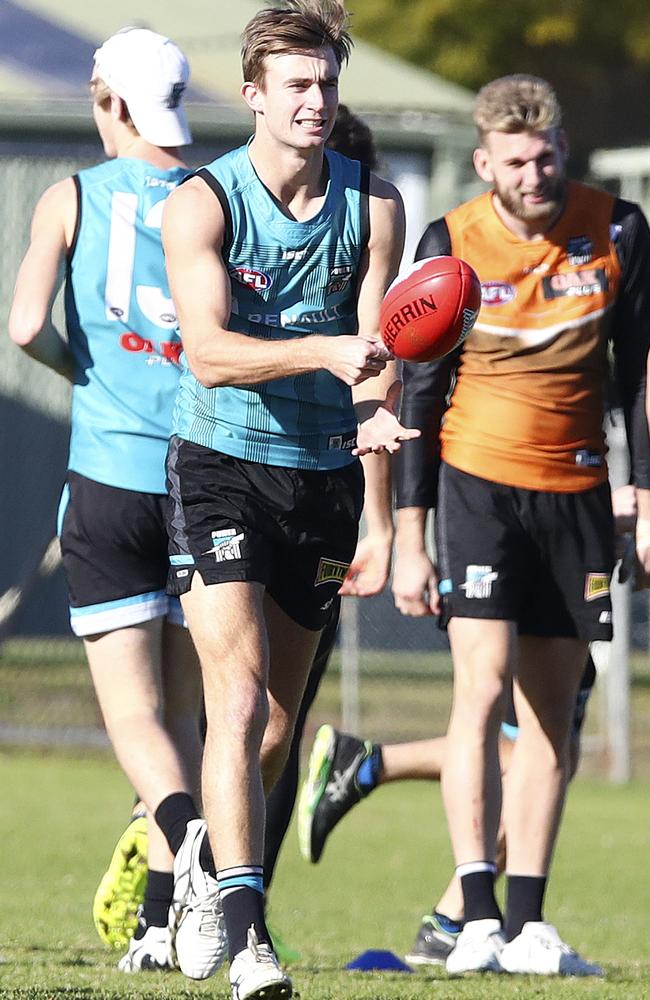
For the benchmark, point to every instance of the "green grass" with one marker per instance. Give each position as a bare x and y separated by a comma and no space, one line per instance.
60,816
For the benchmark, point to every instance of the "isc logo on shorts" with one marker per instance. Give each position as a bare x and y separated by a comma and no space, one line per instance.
225,545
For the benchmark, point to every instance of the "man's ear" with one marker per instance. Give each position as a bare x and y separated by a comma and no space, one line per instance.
482,165
118,108
253,97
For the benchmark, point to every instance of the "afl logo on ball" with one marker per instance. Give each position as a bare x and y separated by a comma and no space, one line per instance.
496,293
259,281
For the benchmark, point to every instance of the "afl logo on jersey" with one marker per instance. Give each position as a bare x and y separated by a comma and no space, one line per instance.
497,293
259,281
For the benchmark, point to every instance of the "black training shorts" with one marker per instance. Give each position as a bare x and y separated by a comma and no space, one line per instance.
114,549
293,530
543,560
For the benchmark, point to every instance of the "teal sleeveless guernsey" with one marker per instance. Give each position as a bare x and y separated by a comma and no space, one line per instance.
121,326
288,279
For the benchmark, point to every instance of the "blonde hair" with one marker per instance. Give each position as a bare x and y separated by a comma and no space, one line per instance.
294,26
101,94
516,103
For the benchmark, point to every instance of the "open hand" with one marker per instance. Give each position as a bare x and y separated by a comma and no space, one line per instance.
383,431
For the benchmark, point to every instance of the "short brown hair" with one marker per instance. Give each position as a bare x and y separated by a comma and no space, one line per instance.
294,26
516,103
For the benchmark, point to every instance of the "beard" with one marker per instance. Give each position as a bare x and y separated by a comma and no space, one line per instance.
553,193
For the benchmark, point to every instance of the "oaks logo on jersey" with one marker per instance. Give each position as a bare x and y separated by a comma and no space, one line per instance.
330,571
575,284
596,585
497,293
340,278
168,350
579,250
259,281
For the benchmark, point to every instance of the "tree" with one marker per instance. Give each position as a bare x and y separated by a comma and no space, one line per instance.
595,52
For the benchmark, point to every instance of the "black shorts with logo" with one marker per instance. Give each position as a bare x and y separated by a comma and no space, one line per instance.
114,550
543,560
293,530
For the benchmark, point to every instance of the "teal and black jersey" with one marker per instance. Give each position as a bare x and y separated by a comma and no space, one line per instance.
288,279
121,326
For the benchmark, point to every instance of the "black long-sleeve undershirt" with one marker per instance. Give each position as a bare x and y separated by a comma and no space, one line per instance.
428,386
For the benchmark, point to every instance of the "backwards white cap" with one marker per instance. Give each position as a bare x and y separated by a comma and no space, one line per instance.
150,73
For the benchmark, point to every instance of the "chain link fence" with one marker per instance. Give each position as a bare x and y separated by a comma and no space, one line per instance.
46,698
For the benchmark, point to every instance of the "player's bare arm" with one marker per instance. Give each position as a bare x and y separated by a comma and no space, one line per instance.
40,277
193,234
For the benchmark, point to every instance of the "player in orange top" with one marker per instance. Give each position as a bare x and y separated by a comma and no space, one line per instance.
518,477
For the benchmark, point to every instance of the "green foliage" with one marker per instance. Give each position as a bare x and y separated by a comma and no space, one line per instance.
595,52
471,41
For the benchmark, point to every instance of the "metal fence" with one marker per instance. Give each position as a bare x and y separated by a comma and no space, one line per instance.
390,677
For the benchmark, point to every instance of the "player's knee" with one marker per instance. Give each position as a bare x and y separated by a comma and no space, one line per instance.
479,704
242,717
275,748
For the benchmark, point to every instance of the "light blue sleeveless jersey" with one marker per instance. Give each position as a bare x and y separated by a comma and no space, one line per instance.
288,279
121,326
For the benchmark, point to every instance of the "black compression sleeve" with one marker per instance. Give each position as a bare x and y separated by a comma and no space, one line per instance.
424,401
631,332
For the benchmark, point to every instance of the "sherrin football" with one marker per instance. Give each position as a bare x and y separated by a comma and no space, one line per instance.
430,309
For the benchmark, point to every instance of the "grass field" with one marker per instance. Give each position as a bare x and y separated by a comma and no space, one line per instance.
60,815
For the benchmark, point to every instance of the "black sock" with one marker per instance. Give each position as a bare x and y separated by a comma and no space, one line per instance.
525,901
157,900
478,893
242,898
172,816
205,857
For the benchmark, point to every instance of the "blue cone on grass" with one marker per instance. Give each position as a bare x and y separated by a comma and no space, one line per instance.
376,960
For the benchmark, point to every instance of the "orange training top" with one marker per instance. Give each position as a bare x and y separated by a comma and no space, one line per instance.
527,407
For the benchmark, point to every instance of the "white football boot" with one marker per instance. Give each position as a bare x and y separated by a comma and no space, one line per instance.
150,953
478,947
540,950
195,917
255,973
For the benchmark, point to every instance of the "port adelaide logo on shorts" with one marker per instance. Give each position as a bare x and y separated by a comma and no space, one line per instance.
478,582
259,281
330,571
226,545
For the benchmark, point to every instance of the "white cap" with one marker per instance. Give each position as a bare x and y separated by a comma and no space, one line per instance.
150,73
